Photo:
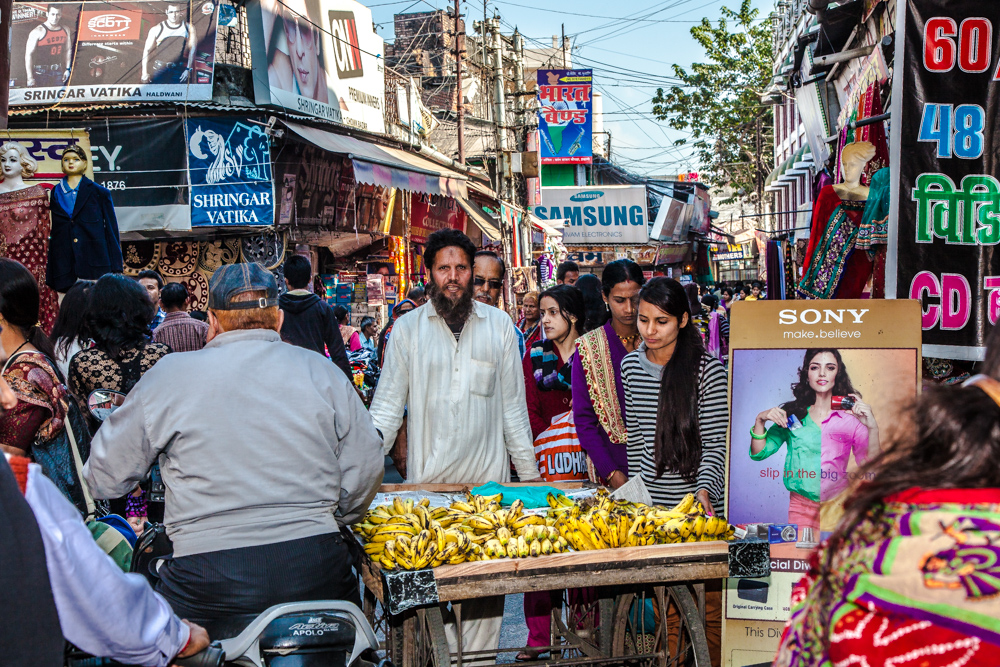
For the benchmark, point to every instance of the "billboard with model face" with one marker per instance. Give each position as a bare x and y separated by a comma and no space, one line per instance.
71,52
322,59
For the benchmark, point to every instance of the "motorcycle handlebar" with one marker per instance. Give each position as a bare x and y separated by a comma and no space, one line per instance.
213,656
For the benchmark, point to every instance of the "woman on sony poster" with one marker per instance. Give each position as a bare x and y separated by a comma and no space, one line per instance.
821,427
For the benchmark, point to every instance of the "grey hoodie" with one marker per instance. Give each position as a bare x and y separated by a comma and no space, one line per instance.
259,442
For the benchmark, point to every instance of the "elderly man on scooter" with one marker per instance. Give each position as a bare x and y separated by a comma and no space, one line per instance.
265,450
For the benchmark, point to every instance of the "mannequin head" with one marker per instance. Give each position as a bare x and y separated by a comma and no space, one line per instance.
74,161
854,158
17,164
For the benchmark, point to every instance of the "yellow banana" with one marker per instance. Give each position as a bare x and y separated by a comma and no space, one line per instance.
535,548
546,547
529,520
408,504
503,534
387,563
374,548
463,507
516,508
438,512
439,536
425,502
591,535
512,549
386,535
398,506
522,546
377,518
479,523
685,528
685,505
551,500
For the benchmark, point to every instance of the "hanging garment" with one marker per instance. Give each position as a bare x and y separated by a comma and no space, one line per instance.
832,269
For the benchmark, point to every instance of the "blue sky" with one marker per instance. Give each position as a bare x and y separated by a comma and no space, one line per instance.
646,48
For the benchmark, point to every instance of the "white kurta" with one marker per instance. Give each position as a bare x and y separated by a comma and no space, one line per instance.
464,399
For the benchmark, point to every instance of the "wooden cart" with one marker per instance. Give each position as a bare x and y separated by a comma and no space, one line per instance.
644,606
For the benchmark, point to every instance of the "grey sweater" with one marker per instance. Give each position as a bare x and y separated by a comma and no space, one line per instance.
259,442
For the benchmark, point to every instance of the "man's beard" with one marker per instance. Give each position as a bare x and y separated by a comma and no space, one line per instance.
453,312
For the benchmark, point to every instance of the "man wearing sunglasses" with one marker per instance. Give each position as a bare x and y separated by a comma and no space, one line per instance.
488,273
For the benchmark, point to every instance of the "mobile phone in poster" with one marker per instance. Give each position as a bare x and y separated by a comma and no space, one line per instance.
814,388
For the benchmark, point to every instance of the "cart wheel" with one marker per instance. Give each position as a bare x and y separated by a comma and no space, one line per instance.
640,630
417,639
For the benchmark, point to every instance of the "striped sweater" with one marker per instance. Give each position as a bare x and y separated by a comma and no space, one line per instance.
641,379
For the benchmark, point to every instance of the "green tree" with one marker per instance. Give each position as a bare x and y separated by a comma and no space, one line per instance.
719,105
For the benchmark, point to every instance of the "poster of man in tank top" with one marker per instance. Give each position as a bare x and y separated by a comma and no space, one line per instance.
156,50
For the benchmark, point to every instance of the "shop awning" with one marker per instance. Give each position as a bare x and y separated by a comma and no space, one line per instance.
788,169
388,167
487,223
545,227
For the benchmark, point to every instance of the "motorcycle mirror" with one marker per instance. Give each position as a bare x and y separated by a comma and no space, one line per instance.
102,402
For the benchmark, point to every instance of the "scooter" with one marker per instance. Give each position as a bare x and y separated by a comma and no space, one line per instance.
323,633
326,633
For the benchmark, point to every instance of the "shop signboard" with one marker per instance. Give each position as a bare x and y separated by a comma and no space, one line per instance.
565,115
320,59
602,214
429,213
945,216
229,162
782,488
148,51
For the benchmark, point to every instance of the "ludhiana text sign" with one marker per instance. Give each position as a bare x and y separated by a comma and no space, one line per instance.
230,165
609,214
154,50
945,222
565,115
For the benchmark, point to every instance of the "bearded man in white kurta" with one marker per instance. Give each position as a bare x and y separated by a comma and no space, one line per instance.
453,366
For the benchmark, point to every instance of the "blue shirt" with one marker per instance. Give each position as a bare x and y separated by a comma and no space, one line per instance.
66,196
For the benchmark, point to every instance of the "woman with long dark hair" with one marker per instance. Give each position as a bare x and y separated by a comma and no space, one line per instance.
26,354
118,322
598,394
909,575
820,433
547,365
676,406
593,302
67,332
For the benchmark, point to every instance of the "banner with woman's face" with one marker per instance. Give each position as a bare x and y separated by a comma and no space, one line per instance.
815,390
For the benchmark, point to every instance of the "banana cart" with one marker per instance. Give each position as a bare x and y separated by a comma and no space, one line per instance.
648,605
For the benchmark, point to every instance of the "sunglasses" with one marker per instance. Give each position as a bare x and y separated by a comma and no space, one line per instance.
297,27
494,283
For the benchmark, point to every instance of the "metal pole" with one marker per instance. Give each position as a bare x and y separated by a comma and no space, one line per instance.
562,45
458,87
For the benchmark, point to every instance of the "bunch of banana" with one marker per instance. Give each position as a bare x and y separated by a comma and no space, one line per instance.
603,523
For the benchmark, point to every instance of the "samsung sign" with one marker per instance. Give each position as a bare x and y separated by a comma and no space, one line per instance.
612,214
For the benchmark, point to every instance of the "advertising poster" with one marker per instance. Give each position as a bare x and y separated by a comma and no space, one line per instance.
565,115
608,214
787,359
155,50
430,213
944,226
46,146
319,59
229,162
144,165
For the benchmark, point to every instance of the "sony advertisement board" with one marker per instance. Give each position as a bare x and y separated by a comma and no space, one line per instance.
565,115
319,59
608,214
71,52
